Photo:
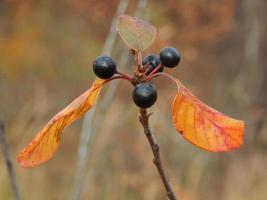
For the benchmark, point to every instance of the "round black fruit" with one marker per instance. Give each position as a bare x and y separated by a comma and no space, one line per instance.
170,57
144,95
104,67
150,62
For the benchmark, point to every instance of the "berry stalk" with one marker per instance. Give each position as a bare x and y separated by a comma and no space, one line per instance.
124,75
154,71
118,77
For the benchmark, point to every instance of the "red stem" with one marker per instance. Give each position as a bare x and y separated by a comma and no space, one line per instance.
162,74
119,77
125,76
154,71
145,66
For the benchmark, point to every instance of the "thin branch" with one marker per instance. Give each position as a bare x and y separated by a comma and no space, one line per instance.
89,128
9,165
155,148
86,132
111,37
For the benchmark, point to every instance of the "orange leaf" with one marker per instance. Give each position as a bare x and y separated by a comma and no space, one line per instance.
136,33
46,142
203,126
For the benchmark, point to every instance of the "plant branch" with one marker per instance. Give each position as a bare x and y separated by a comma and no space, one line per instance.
89,128
87,132
143,118
9,165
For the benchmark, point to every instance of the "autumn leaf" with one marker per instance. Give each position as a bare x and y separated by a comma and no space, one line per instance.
136,33
203,126
46,142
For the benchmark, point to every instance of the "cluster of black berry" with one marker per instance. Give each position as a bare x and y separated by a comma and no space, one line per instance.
144,94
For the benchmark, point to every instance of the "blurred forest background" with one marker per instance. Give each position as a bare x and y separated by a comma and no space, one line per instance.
46,53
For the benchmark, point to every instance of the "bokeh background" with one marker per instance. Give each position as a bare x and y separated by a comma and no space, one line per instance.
46,53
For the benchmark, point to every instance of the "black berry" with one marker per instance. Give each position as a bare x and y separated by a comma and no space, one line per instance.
150,62
104,67
170,57
144,95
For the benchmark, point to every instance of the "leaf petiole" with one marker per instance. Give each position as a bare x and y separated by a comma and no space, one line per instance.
151,76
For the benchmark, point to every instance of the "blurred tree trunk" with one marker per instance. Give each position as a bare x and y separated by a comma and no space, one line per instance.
241,81
242,76
254,74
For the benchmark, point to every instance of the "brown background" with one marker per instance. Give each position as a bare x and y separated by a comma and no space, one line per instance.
46,52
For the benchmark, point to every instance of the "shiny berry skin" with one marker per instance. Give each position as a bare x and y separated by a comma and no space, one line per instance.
170,57
104,67
150,62
144,95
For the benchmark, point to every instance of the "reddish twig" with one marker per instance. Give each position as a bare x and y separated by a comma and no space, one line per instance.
155,148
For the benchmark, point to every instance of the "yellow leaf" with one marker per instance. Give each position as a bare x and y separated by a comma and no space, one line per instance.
203,126
46,142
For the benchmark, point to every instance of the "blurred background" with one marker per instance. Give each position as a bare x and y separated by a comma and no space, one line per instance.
46,53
